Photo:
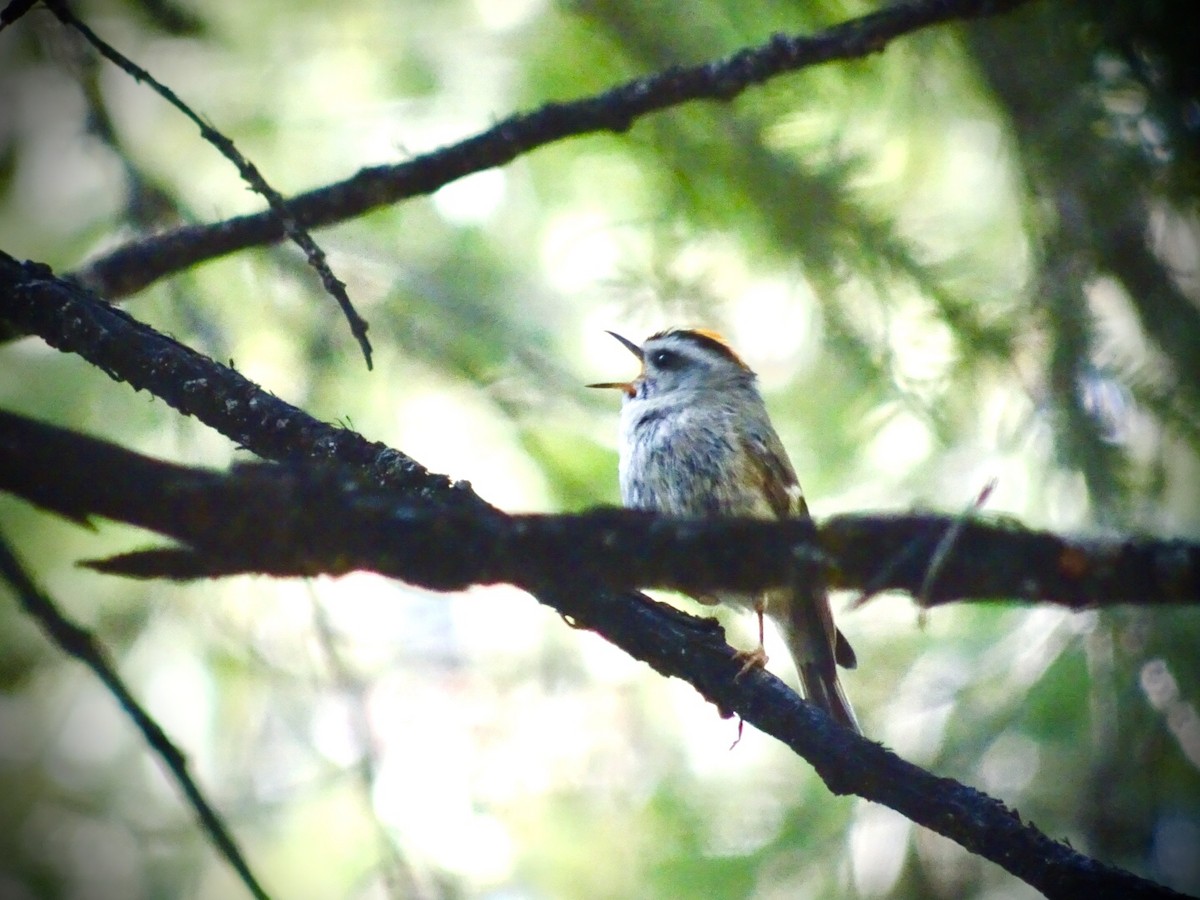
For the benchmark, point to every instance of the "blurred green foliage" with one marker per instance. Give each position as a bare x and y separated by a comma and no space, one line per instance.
973,255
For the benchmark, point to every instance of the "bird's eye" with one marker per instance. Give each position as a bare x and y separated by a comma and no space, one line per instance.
665,359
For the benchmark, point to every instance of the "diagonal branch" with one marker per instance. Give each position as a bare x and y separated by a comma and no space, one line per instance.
306,519
201,503
74,320
82,645
132,267
675,645
988,559
249,172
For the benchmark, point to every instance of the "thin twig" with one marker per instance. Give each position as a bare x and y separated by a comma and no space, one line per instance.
249,172
80,644
883,579
942,551
916,547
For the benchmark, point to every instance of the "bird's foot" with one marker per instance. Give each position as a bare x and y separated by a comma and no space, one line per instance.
751,659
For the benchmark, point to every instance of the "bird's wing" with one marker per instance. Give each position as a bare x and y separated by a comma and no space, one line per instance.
810,614
774,475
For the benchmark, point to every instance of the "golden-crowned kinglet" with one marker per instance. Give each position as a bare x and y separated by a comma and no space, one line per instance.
695,440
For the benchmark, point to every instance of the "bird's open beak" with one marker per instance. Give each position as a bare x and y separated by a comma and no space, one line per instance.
627,387
628,345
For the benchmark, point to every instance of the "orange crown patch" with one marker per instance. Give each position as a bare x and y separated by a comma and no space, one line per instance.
705,337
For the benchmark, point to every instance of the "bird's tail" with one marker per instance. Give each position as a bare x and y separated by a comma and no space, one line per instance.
824,689
819,647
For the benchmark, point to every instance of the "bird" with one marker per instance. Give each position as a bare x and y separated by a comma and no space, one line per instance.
695,441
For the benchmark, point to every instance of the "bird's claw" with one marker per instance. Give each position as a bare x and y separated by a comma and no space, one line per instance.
751,659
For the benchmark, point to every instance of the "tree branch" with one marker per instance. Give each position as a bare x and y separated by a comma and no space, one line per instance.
132,267
674,644
80,644
250,174
986,560
301,513
74,320
417,503
304,519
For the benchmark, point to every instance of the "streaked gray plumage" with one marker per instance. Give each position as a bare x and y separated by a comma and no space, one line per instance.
696,440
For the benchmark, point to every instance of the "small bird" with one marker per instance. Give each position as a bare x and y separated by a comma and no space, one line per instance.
696,441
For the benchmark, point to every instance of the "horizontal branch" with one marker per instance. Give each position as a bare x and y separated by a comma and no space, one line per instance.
74,320
130,268
301,519
310,519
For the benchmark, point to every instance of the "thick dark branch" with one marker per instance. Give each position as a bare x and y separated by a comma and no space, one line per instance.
76,321
296,514
1001,560
13,11
306,519
82,645
130,268
847,762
